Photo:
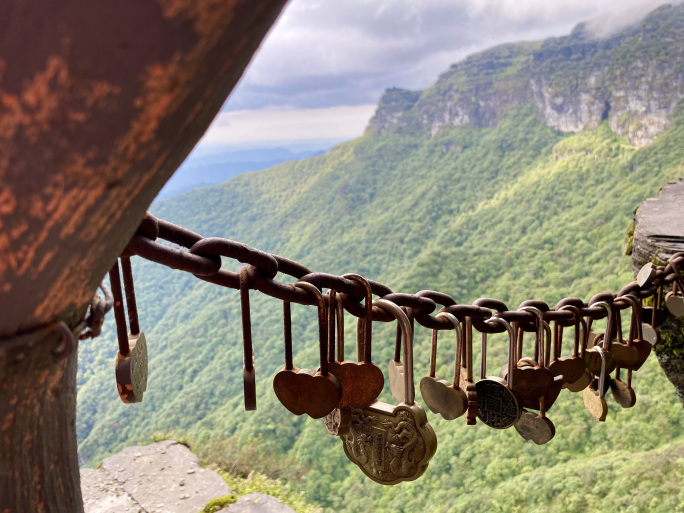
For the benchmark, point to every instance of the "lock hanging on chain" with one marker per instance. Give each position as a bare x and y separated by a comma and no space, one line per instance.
130,364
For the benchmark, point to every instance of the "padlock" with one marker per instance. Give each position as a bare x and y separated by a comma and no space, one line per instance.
442,397
570,367
674,300
537,428
498,406
338,421
585,378
391,444
315,393
636,337
594,359
361,381
130,364
248,373
622,392
624,353
395,369
595,399
544,401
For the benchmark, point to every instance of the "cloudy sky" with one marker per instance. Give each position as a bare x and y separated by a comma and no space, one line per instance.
322,68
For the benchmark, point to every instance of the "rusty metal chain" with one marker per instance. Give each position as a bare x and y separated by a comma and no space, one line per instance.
202,257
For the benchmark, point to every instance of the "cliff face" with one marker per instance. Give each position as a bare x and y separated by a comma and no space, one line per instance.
632,79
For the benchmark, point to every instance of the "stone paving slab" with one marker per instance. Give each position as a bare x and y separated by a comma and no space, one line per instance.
102,494
165,477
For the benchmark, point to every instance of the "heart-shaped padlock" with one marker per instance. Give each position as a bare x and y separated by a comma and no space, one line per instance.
315,393
391,444
622,392
361,381
130,364
447,399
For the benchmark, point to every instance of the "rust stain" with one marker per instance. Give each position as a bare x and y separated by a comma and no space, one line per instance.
9,421
205,15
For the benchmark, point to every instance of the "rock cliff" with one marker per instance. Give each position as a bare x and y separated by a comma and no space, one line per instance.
633,79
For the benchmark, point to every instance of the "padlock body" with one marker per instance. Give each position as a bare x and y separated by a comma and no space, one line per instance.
390,444
131,370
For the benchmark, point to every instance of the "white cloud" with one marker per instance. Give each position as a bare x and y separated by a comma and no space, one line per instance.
325,53
282,125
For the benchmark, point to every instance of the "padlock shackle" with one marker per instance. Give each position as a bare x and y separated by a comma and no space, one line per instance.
635,331
608,338
247,348
512,349
322,323
119,313
542,330
129,289
368,315
459,347
579,321
405,325
602,376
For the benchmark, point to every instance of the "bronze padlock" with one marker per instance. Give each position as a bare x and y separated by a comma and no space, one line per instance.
570,367
674,300
622,392
395,368
447,399
392,444
315,393
594,359
595,399
636,337
498,405
338,421
361,381
537,428
130,364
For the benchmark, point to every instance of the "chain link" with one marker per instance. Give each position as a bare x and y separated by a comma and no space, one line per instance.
202,257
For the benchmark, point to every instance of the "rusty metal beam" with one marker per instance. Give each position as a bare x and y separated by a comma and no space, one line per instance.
99,104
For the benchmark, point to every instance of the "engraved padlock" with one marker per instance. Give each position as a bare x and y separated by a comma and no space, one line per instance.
447,399
498,406
315,393
391,444
130,364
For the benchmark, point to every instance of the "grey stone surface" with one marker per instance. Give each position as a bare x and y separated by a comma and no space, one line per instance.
102,494
165,477
258,503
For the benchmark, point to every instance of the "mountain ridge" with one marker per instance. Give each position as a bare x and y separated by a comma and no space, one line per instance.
633,79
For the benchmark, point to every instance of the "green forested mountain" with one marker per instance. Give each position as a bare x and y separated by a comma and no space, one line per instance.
514,210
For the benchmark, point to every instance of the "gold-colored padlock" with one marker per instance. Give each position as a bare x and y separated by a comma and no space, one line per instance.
392,444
